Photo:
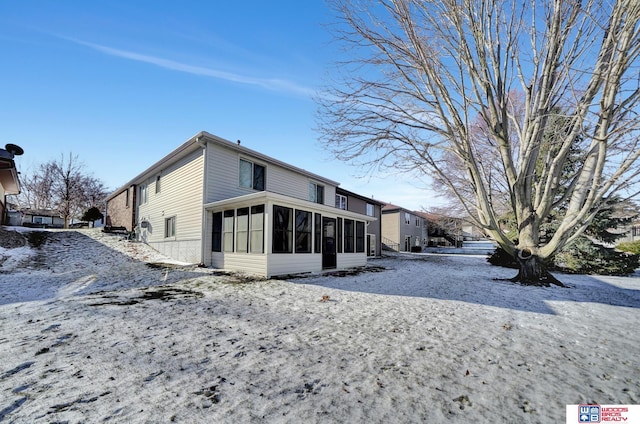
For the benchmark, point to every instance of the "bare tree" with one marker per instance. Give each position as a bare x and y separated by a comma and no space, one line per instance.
67,187
35,190
422,72
64,186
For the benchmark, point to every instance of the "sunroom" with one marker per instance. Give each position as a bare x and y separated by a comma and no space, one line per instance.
269,234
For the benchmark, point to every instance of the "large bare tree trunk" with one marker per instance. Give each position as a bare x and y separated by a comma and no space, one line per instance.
533,270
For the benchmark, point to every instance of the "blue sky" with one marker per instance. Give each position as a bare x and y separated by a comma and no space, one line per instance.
122,83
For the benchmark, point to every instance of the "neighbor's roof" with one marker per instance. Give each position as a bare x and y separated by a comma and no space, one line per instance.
341,190
390,207
197,142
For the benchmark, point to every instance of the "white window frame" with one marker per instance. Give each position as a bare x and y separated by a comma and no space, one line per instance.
170,227
371,209
313,192
250,182
341,202
143,191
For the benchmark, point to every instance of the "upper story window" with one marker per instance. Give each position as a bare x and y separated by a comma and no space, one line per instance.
341,202
371,211
417,222
158,184
316,193
144,194
126,199
407,218
252,175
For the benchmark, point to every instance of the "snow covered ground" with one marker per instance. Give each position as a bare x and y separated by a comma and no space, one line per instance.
95,329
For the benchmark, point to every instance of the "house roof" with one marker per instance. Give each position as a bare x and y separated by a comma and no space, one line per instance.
41,212
390,207
342,191
8,172
198,141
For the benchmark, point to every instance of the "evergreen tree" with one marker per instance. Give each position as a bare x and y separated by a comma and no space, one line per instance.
594,251
92,214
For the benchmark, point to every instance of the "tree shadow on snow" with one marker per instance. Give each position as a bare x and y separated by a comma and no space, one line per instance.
471,279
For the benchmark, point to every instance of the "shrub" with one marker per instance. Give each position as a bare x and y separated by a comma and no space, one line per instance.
500,257
630,247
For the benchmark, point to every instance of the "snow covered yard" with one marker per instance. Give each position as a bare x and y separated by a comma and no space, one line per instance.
94,328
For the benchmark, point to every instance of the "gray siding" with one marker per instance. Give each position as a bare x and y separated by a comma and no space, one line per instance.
223,177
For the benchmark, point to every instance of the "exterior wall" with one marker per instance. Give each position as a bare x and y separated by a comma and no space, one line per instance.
411,230
271,264
223,177
3,206
391,230
180,196
121,213
359,205
395,230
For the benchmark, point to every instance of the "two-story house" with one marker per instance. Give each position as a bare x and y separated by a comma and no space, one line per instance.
218,203
9,182
402,229
350,201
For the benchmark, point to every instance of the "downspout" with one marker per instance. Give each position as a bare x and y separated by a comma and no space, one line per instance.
203,143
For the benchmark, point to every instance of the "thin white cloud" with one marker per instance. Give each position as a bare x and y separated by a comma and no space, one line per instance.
274,84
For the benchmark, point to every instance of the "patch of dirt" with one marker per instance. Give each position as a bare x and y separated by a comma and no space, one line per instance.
339,273
11,239
37,238
158,293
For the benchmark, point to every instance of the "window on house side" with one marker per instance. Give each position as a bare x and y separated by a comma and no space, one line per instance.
252,175
303,231
318,233
170,227
341,202
126,198
359,236
316,193
339,236
216,236
370,210
144,190
348,236
242,230
227,231
282,229
256,242
158,184
407,218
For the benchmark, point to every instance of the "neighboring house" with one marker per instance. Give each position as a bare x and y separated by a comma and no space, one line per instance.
9,182
42,218
444,231
353,202
121,207
631,232
402,229
221,204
